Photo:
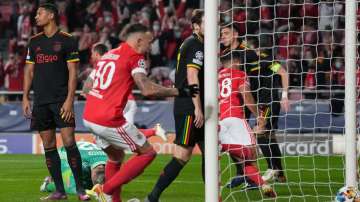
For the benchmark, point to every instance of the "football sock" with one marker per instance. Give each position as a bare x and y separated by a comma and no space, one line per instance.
276,153
130,169
253,174
202,149
111,168
169,174
75,163
148,132
264,143
53,164
238,165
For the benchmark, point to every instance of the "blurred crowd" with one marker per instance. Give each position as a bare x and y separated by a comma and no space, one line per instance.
306,36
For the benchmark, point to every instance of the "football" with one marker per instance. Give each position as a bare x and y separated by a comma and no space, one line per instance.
347,194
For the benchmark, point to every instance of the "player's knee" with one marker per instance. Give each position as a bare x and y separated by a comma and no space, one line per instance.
182,153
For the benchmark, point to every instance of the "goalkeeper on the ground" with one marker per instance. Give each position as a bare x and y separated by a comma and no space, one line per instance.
93,168
264,75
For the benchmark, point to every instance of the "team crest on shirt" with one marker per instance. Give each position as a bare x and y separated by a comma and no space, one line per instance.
141,63
57,46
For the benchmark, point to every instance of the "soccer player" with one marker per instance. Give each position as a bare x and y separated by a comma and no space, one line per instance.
236,136
97,51
116,73
93,166
263,75
51,70
188,112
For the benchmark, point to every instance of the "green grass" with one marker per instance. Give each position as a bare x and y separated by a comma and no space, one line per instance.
309,179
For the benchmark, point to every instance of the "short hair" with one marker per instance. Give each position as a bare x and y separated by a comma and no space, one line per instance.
100,48
196,17
232,27
133,28
51,7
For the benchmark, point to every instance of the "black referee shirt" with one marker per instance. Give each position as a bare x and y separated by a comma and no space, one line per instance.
50,56
190,55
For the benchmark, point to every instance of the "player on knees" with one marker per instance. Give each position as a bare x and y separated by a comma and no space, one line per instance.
236,136
51,67
116,73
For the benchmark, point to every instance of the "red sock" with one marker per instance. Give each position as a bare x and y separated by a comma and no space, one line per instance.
111,168
148,132
252,172
130,169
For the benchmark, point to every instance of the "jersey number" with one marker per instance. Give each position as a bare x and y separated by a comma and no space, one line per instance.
104,74
225,88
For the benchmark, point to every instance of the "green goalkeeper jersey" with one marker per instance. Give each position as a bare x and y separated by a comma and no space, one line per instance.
91,156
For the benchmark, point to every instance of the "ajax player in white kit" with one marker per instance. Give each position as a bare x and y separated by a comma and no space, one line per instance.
116,73
236,136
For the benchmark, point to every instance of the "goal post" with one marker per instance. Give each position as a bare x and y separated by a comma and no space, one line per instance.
211,102
350,93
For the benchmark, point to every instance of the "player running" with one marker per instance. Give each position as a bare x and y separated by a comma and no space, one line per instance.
116,73
236,136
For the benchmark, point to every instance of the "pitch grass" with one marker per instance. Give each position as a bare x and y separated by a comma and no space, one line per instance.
309,180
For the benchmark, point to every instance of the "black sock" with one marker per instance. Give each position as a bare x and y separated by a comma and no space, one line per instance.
202,149
171,171
238,165
74,160
264,143
53,164
276,155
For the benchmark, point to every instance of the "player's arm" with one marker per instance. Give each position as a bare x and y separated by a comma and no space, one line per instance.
285,86
193,79
88,84
149,88
72,59
248,99
28,77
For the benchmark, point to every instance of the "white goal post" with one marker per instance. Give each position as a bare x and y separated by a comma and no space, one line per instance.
350,93
211,103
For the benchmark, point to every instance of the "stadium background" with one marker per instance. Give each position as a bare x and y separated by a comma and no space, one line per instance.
307,37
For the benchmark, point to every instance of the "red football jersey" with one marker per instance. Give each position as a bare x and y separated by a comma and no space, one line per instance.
113,83
231,103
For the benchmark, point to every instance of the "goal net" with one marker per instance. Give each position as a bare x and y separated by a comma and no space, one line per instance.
306,37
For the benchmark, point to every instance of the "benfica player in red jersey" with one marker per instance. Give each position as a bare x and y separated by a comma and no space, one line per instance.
236,136
116,73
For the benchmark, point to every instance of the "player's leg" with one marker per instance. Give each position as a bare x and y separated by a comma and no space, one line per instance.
268,143
185,142
72,151
42,121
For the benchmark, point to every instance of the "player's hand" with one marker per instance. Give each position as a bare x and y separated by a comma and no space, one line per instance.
189,91
66,111
199,118
285,104
26,107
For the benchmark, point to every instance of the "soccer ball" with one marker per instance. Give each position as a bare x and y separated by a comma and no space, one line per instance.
347,194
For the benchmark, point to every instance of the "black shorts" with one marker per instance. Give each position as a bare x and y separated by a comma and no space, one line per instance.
271,113
46,117
186,133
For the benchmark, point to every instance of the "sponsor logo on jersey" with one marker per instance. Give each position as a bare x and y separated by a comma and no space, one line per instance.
43,58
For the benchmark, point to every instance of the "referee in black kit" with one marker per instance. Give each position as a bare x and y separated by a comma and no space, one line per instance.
188,112
51,67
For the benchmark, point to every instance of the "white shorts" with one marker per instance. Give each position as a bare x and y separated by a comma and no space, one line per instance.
126,137
236,131
130,111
